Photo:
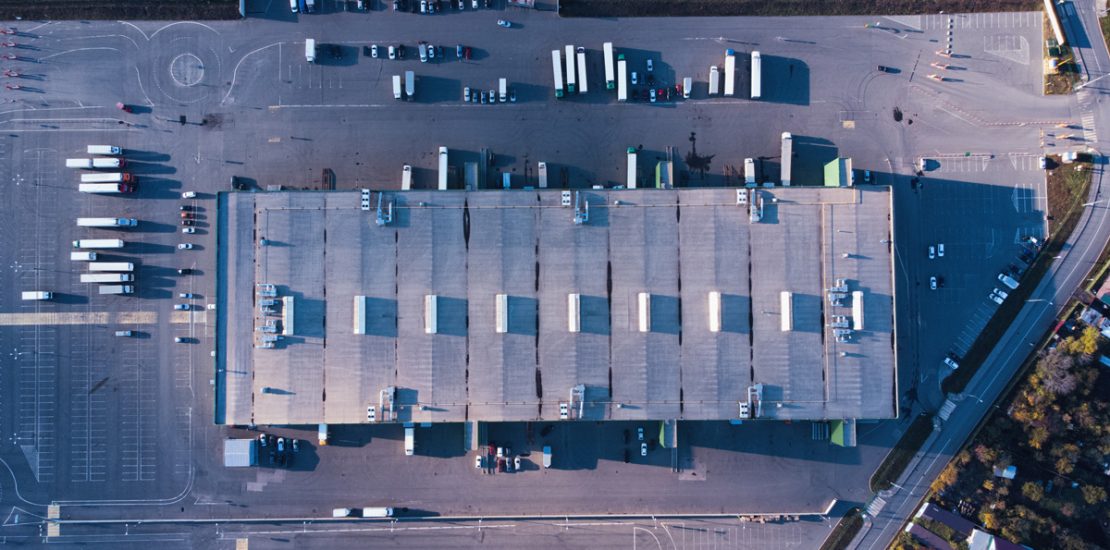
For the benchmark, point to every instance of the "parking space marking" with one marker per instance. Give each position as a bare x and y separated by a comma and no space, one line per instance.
962,164
90,318
138,414
1008,46
1024,198
88,406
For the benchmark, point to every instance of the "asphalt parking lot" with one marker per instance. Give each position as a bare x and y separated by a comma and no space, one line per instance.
92,416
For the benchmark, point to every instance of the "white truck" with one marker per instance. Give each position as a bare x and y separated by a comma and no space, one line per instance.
410,440
570,69
103,150
410,86
757,76
714,77
111,266
98,243
115,289
749,172
310,50
630,182
396,86
730,72
610,74
368,512
543,174
502,90
104,188
1008,281
687,83
107,277
37,295
99,162
442,168
107,177
787,157
582,87
406,177
622,78
547,456
82,256
107,222
557,73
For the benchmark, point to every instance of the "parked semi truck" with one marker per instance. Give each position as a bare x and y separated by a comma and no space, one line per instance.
103,150
310,50
502,90
37,295
82,256
107,222
410,86
730,72
631,181
787,156
104,188
610,74
410,440
687,83
99,162
406,177
442,168
557,72
98,243
582,87
107,177
111,266
107,277
749,172
622,78
757,76
543,174
115,289
714,77
396,86
570,69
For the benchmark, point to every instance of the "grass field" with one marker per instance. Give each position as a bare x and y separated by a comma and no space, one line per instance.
119,9
647,8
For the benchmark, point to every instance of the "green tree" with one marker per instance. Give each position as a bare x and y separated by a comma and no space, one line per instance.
1093,494
1033,491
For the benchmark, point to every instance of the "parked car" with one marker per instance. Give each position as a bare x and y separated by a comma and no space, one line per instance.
189,195
186,295
188,221
185,271
181,307
932,252
466,93
392,52
474,4
639,434
516,463
374,51
932,283
466,52
634,79
296,445
459,51
512,95
650,67
185,246
400,51
652,93
940,250
261,440
504,23
478,462
643,449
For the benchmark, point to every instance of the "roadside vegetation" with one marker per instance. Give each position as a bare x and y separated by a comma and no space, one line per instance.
653,8
846,530
898,457
1054,428
1068,185
1063,80
10,10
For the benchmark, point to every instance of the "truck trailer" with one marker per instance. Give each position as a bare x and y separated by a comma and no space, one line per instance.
631,180
82,256
787,157
111,266
107,277
714,77
98,243
582,88
757,76
557,73
502,90
104,188
115,289
570,70
730,72
442,168
749,172
103,150
542,166
410,86
396,86
107,177
622,78
107,222
37,295
310,50
610,73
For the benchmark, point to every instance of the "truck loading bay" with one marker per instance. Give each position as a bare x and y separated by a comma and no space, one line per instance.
133,427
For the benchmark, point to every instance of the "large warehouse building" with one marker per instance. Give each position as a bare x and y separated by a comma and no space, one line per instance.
487,306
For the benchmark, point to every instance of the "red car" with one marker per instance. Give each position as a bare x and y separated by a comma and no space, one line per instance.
466,52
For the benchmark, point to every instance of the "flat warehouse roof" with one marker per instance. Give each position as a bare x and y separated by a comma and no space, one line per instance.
506,305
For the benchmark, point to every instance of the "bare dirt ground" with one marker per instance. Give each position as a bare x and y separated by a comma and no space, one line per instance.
118,9
643,8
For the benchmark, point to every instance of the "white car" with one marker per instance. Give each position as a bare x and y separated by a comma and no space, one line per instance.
189,195
374,51
181,307
516,463
950,363
474,4
643,449
1001,293
652,94
1044,163
932,252
185,246
639,434
504,23
186,295
634,79
188,230
564,411
466,94
478,462
932,283
650,67
940,250
500,452
423,6
392,52
996,298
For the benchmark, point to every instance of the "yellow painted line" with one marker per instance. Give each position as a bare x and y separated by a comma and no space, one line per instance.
96,318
